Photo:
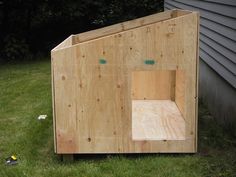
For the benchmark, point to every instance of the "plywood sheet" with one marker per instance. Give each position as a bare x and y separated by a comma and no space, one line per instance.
157,120
153,85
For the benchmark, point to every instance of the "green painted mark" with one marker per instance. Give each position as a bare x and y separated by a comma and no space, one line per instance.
102,61
149,62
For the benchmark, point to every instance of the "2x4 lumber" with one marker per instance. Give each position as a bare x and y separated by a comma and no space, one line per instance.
177,12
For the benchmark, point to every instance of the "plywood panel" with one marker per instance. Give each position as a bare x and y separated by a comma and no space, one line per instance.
190,30
180,90
153,85
157,120
64,74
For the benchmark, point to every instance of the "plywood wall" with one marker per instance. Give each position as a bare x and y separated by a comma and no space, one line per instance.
153,85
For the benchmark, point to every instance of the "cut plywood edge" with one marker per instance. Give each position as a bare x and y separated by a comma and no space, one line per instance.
66,43
157,120
53,105
197,80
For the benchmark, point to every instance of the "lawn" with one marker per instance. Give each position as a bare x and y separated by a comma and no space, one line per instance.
25,93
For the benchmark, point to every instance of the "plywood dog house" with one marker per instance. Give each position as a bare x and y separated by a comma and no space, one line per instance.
128,88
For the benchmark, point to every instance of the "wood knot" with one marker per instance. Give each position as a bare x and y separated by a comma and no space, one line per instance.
63,78
132,34
142,21
144,142
89,139
98,99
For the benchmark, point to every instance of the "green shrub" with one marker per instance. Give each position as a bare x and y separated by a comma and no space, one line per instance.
15,47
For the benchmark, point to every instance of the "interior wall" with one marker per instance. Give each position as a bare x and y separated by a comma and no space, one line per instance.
153,85
180,91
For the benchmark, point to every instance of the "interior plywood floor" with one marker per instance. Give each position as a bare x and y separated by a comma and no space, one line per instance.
157,120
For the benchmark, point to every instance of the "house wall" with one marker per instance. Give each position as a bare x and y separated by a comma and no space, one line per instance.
217,83
219,96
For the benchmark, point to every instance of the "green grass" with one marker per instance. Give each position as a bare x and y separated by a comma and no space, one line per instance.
25,93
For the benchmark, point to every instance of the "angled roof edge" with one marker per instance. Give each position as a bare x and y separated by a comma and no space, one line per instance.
66,43
119,27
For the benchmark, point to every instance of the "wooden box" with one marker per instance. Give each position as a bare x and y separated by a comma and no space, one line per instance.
129,87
